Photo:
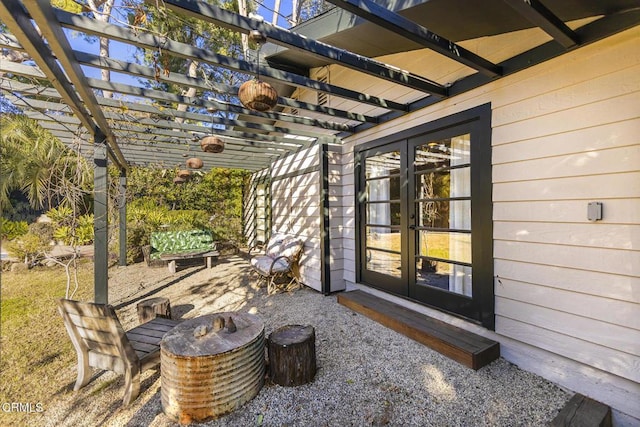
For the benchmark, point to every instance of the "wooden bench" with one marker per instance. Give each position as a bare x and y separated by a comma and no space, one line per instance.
467,348
172,259
101,342
174,246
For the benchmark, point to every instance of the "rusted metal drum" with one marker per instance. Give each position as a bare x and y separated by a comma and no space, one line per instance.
208,369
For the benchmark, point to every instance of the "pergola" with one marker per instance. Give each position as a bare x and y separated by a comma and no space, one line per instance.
140,126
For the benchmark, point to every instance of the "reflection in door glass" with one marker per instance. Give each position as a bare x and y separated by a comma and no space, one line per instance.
383,165
383,242
442,206
444,275
384,262
383,213
448,152
443,245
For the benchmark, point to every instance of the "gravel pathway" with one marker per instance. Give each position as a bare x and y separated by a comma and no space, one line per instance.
368,375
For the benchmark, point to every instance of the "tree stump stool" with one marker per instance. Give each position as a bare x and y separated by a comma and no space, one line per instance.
292,355
151,308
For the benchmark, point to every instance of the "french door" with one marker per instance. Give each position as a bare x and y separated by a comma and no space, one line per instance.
424,210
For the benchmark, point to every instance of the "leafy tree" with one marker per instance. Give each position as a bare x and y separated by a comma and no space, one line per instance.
190,31
39,165
304,10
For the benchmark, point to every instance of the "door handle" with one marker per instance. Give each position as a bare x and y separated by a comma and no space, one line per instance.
412,227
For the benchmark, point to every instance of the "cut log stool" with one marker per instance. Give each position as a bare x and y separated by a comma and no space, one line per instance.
292,355
151,308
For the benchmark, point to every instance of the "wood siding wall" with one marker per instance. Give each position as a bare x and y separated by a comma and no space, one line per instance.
565,133
295,210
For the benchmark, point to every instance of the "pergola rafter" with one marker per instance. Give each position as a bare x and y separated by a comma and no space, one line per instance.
289,39
182,50
79,96
398,24
74,101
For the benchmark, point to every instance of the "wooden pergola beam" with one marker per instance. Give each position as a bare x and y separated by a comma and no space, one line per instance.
402,26
41,11
542,17
242,24
182,50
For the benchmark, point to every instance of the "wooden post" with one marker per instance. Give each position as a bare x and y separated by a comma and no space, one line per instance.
100,222
151,308
292,355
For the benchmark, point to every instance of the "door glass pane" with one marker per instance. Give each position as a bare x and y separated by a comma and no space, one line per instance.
444,184
443,177
383,164
382,189
383,250
384,262
447,214
387,213
444,275
444,153
445,245
384,238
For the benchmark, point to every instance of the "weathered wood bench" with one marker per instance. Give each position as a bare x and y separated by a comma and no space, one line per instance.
174,246
101,342
467,348
172,259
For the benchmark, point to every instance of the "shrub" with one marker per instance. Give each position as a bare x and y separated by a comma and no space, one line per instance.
145,217
42,229
70,230
9,230
28,248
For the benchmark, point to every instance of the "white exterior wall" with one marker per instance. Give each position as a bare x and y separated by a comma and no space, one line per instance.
565,132
295,210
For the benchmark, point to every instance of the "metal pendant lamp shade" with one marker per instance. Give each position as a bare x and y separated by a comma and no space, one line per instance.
212,144
257,95
194,163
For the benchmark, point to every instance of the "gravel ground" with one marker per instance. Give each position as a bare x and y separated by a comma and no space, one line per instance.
367,375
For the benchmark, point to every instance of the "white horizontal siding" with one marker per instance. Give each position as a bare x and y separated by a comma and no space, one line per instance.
601,260
565,133
610,186
596,235
589,282
617,211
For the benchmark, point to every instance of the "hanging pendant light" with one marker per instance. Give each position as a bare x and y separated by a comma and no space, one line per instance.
184,174
194,163
211,143
255,94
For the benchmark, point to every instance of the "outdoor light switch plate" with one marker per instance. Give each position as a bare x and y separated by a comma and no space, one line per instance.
594,211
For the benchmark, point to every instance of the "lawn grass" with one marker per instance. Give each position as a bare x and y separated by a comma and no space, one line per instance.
37,359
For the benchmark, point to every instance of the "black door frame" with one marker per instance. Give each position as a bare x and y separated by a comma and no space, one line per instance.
480,308
394,285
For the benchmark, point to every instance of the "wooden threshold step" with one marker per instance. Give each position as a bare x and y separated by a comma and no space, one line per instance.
465,347
582,411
